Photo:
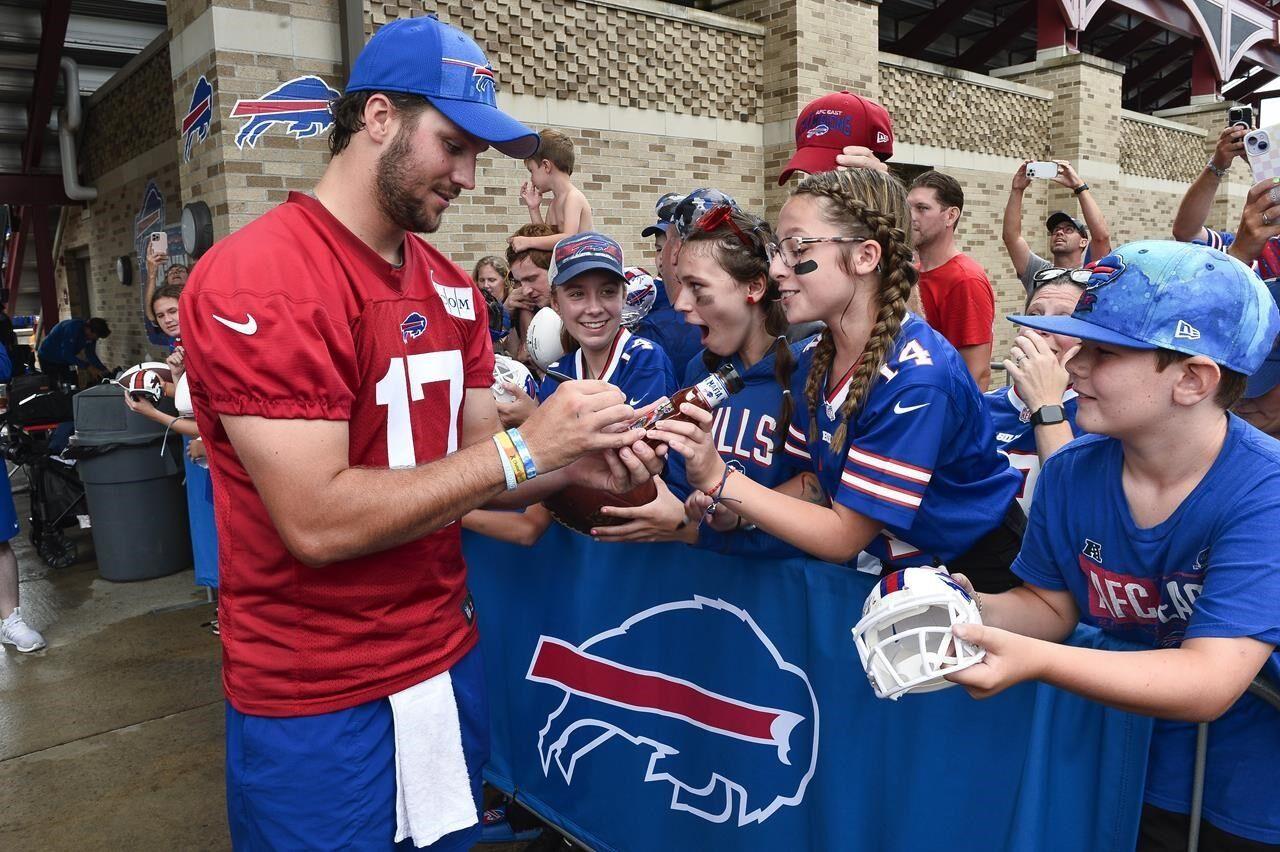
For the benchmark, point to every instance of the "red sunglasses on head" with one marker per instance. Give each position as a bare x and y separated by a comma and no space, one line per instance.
719,215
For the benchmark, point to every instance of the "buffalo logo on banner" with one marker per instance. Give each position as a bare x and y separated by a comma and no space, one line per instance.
302,105
736,737
195,126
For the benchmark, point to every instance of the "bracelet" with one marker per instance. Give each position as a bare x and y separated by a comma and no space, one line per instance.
512,456
1081,188
506,468
714,493
526,458
1220,173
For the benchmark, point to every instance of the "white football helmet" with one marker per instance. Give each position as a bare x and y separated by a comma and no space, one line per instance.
642,291
509,371
543,338
904,637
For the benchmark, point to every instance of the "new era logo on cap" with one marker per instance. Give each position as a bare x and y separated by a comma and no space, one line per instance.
834,122
1186,331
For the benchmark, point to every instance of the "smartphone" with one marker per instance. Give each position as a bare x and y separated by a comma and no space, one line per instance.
158,244
1241,116
1262,149
1041,169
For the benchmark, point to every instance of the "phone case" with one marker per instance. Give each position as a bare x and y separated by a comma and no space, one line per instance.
1041,169
1263,162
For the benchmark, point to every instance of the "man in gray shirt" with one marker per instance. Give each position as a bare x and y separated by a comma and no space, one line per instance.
1069,238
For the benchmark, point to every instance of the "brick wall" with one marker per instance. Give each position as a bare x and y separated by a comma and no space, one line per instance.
130,119
948,112
104,231
1157,151
597,52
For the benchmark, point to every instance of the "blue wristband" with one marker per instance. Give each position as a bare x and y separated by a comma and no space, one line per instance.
530,469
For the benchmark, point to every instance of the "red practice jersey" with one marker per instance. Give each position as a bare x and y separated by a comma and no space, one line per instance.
293,317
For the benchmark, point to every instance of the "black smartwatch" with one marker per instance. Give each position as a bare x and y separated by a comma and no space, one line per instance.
1081,188
1047,415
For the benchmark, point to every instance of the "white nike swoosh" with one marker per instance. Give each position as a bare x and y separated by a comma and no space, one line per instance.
898,408
633,402
249,326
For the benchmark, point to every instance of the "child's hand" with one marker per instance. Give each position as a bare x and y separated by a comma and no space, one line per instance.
1011,658
518,410
519,244
704,469
530,195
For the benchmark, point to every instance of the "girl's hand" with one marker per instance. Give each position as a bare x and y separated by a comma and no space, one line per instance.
516,412
1038,375
195,449
177,362
722,518
140,406
704,468
658,520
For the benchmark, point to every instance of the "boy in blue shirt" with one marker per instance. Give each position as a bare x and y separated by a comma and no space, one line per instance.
1159,527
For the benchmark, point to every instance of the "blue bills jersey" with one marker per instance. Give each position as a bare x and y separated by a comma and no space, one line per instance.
1016,437
665,326
1211,569
920,456
747,432
637,366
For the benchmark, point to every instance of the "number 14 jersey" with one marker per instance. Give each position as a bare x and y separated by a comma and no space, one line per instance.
294,317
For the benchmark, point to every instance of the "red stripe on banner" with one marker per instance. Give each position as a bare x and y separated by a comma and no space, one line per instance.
571,669
248,109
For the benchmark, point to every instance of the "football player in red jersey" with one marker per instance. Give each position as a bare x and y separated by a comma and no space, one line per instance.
340,370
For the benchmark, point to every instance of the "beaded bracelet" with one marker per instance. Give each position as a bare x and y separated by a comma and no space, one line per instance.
530,469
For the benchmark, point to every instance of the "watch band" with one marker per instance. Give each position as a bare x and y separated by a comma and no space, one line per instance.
1220,173
1081,188
1047,415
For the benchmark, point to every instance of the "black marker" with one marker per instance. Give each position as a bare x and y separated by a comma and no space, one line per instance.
559,377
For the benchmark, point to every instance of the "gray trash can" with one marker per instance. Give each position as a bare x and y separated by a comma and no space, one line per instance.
136,499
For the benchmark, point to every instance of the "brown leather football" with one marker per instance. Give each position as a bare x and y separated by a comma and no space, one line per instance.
578,507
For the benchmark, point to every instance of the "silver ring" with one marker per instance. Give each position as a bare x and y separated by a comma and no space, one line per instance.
1265,220
1017,362
1274,195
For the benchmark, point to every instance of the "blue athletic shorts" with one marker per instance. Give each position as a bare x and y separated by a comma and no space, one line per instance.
329,781
8,512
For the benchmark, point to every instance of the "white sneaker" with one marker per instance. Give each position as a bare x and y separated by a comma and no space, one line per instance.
14,631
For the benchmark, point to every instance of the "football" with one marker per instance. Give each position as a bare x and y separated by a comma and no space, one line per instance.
578,507
543,338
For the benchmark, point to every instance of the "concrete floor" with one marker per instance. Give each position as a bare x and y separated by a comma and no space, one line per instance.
111,738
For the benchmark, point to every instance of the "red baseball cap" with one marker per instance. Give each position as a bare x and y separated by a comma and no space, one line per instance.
833,122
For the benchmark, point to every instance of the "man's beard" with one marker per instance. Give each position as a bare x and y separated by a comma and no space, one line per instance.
394,189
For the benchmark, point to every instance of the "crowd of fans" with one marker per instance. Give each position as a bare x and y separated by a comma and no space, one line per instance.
863,334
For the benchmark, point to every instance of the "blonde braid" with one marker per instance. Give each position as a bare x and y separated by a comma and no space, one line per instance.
865,204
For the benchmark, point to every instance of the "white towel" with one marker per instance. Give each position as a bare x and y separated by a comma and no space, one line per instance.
433,790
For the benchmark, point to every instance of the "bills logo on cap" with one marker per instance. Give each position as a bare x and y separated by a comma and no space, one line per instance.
412,327
302,103
586,244
195,126
816,130
1104,272
482,74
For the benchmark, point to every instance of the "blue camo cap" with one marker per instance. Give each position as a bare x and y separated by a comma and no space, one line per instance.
429,58
1160,294
1268,375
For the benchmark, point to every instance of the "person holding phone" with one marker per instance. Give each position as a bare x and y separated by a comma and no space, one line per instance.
1071,241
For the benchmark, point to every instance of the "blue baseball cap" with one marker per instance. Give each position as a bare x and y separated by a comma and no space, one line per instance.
1180,296
664,209
1268,375
423,56
583,252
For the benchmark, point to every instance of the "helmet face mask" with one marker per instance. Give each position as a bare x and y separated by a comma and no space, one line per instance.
904,638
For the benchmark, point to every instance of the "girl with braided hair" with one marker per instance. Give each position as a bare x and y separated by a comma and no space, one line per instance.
901,459
728,296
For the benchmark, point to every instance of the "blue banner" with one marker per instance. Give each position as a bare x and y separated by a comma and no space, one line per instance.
655,696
